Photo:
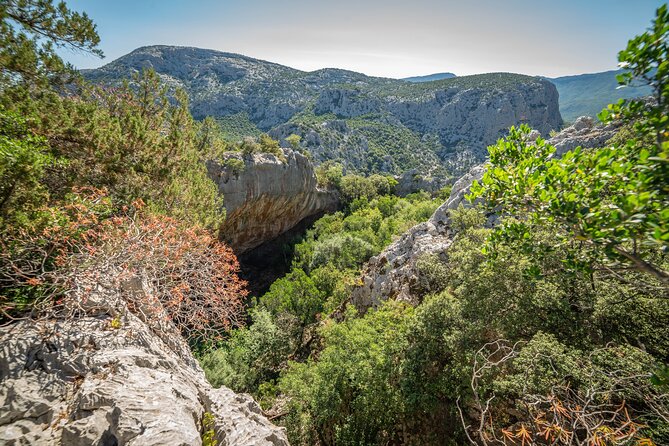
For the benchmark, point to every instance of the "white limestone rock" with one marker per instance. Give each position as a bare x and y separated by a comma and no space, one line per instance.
112,378
268,197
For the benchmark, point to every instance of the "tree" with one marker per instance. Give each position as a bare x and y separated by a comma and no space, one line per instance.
294,140
30,30
610,205
23,160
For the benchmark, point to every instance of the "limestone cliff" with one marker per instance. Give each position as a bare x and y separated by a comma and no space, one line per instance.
108,377
267,196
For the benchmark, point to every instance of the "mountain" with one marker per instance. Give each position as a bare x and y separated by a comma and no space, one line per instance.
369,124
429,77
588,94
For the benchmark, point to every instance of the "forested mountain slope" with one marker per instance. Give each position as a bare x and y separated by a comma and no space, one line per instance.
588,94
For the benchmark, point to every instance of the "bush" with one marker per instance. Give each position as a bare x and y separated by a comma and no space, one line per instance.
295,294
262,144
235,165
342,251
252,355
356,187
343,398
131,141
329,175
432,273
193,276
445,192
24,159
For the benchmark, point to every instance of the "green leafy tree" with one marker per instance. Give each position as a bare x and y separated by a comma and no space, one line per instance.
295,294
30,32
294,140
24,158
253,355
610,204
329,175
345,396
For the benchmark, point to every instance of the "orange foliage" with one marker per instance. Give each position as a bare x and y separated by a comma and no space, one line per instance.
192,276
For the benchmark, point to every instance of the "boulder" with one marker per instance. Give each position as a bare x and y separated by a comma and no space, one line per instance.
584,133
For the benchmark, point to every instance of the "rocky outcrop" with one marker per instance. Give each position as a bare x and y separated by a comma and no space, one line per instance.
111,377
392,274
346,103
267,196
413,181
584,133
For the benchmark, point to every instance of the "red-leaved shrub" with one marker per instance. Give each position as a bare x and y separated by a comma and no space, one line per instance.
192,276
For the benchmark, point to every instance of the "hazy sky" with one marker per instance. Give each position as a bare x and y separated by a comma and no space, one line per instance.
381,37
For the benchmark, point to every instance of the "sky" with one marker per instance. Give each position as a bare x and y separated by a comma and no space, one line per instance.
389,38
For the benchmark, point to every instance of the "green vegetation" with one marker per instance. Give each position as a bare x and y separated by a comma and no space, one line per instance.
419,361
104,181
208,432
487,82
325,268
615,200
549,328
238,126
391,148
30,31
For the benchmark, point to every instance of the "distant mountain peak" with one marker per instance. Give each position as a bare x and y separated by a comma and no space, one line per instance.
429,77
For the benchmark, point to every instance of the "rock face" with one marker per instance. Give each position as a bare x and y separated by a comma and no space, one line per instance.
449,125
268,197
112,378
413,181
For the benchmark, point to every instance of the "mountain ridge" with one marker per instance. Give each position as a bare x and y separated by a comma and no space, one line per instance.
429,77
369,124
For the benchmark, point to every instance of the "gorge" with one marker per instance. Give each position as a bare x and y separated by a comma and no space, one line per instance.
203,248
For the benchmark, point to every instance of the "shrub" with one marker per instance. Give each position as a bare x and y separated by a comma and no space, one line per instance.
193,275
295,294
235,165
354,187
345,396
464,218
329,175
432,273
445,192
252,355
563,396
131,140
24,159
293,140
342,251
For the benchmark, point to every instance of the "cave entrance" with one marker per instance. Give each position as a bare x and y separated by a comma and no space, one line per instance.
264,264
